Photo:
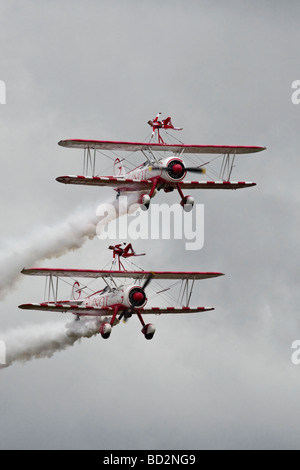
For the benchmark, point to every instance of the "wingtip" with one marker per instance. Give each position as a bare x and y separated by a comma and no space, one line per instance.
24,306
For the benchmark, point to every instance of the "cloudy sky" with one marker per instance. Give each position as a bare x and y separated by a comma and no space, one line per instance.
101,70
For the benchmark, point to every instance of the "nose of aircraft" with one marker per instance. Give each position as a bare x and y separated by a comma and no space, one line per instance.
138,297
177,168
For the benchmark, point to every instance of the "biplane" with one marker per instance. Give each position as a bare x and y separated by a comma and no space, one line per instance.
115,302
163,168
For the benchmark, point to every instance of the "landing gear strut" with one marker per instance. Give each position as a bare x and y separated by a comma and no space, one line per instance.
105,328
187,202
147,330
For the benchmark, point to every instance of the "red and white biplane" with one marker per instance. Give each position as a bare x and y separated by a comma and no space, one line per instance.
158,171
115,302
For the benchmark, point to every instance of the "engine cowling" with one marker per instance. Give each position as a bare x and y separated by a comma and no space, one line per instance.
174,169
105,330
137,297
148,331
144,201
187,203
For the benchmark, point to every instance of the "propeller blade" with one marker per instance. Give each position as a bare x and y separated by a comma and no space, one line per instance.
158,167
192,169
147,281
128,314
195,169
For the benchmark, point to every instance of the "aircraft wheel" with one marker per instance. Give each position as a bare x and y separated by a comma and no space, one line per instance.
105,330
187,203
148,331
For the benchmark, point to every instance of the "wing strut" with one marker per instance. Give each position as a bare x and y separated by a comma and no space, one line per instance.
227,166
187,292
89,161
51,286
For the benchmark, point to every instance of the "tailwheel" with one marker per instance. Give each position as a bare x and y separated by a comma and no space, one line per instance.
105,330
148,331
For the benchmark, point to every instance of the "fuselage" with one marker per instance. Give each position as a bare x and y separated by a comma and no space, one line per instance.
171,170
123,296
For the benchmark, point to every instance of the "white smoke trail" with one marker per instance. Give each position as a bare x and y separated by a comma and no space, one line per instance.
53,241
38,341
42,341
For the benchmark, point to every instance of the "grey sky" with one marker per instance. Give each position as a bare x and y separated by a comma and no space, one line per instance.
100,70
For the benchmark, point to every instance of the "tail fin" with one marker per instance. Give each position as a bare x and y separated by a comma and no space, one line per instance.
118,168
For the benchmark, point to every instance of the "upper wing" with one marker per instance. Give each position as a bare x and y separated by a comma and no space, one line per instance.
135,146
89,273
127,184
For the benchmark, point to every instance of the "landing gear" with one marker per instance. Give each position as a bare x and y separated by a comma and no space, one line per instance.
144,201
187,202
105,330
147,330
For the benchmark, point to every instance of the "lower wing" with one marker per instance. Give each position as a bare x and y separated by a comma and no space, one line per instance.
127,184
72,308
108,311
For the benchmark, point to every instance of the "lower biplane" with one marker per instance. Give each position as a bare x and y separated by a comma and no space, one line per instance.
115,302
158,171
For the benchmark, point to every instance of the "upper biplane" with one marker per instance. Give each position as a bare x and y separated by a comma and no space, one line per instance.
115,302
158,171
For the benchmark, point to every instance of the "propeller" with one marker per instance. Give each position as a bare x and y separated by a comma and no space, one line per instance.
130,310
193,169
147,281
